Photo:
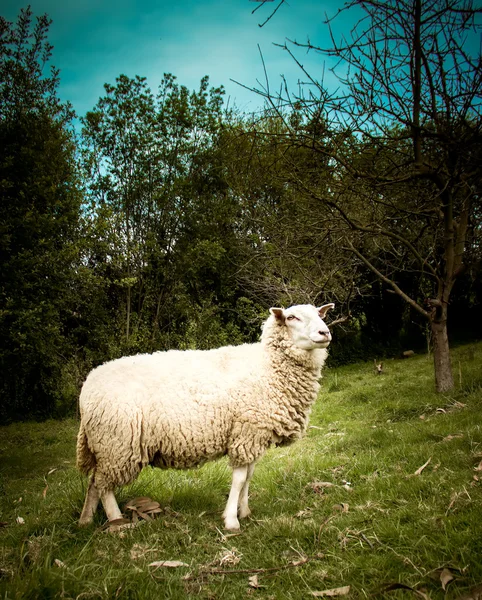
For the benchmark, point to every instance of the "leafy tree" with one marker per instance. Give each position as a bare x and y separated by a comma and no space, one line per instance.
157,186
288,254
404,134
119,141
38,221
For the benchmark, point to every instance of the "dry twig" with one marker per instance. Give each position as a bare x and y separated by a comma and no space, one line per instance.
269,570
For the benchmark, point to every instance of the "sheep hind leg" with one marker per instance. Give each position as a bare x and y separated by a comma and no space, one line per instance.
110,505
244,510
230,514
90,505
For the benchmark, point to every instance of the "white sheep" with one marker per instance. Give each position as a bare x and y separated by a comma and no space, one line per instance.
180,409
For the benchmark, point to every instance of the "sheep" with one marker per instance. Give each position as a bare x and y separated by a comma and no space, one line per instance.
179,409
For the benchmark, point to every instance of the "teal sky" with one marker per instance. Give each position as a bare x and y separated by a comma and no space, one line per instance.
97,40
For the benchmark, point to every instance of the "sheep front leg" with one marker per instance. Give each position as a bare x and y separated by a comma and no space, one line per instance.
111,507
240,475
243,498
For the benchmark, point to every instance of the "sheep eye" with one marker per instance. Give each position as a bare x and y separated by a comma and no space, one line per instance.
292,317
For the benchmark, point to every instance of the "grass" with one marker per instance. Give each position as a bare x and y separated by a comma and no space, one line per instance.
380,526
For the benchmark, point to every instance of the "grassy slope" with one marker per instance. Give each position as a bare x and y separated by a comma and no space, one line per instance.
390,526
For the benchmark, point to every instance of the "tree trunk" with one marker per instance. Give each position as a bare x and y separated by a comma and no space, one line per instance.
128,312
444,381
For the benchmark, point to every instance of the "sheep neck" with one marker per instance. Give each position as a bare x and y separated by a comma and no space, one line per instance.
292,387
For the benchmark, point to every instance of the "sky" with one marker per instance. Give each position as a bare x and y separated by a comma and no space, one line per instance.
97,40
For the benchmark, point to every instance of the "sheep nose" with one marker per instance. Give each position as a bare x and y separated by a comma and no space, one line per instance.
325,334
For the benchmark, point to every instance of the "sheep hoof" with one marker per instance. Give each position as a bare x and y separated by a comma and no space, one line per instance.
243,514
232,525
85,521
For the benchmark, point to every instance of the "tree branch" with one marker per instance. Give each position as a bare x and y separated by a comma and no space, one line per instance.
389,282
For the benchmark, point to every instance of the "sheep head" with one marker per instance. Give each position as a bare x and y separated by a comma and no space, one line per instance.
305,325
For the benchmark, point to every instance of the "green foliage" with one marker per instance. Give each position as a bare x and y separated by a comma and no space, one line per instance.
342,507
38,223
162,215
24,86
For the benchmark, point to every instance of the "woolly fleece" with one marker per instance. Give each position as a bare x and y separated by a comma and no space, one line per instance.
179,409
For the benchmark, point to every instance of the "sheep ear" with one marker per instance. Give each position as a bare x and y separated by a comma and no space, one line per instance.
325,308
278,314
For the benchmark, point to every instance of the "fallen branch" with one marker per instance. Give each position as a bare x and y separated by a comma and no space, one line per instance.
268,570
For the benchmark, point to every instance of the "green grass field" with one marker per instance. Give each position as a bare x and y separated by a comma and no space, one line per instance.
348,511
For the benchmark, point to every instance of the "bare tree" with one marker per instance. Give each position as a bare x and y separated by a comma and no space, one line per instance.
403,132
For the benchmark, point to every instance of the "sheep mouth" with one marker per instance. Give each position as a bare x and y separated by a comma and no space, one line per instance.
323,343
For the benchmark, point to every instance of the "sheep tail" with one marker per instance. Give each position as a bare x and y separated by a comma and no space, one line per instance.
85,457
